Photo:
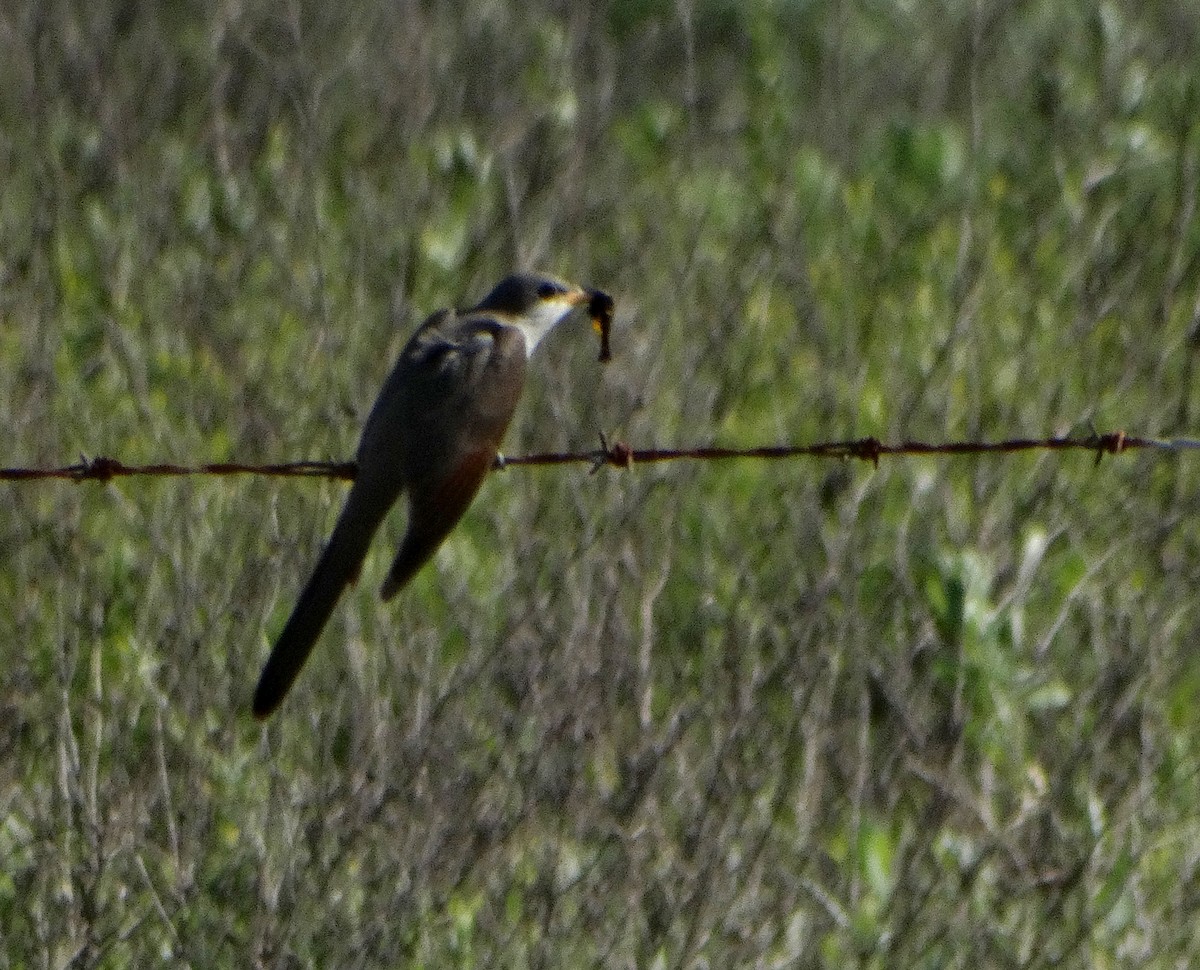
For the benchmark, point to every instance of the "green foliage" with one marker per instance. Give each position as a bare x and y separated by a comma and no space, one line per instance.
939,713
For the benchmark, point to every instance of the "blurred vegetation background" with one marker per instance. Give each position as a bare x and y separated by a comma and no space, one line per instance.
938,714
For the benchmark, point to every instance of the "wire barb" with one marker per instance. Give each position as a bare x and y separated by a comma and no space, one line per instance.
98,469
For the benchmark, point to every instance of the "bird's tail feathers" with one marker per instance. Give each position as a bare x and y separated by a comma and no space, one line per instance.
337,568
434,509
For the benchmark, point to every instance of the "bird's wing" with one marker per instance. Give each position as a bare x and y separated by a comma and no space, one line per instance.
464,391
453,390
382,434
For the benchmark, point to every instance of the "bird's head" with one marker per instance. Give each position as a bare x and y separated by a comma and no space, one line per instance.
533,302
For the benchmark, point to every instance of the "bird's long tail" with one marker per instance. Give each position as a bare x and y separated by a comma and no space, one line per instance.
338,567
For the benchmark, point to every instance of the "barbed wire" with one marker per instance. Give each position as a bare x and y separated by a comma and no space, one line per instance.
620,455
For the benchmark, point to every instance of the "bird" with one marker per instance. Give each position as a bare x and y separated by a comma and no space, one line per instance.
433,434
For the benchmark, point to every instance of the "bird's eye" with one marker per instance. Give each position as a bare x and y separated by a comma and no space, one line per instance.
547,290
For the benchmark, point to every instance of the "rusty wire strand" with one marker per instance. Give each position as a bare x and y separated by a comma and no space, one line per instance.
620,455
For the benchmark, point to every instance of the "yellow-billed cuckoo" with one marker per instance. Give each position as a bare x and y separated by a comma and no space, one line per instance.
433,432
